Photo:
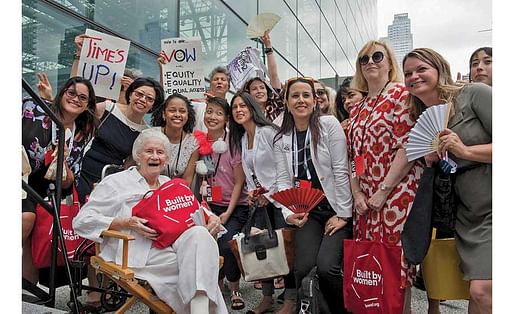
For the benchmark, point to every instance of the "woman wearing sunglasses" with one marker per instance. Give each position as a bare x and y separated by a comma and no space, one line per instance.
75,106
468,141
310,150
119,127
383,182
251,135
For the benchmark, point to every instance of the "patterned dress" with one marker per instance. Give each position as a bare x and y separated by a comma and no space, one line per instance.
378,128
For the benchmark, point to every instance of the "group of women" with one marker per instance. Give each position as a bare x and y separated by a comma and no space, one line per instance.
273,136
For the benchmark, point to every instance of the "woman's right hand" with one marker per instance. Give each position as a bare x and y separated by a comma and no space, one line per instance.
44,87
361,204
298,219
138,225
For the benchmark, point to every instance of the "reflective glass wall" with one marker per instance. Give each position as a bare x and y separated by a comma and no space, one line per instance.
318,38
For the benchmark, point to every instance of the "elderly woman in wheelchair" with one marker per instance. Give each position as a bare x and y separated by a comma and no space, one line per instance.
185,274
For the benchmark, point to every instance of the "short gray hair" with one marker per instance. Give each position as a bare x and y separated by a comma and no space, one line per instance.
154,134
219,69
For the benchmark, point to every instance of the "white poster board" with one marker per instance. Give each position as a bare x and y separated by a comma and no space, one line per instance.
183,72
102,61
245,66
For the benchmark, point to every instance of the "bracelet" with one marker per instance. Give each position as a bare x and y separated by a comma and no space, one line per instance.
345,219
76,57
268,50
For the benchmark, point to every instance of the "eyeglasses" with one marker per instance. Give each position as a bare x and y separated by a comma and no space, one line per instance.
72,94
149,99
377,57
321,92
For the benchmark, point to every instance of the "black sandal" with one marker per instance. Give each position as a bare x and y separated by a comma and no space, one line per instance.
237,302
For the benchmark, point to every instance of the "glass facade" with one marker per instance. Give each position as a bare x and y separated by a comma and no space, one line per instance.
318,38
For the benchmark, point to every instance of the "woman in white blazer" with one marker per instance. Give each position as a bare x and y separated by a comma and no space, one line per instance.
311,151
252,135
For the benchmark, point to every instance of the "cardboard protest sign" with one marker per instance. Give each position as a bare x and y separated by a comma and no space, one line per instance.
245,66
102,61
183,72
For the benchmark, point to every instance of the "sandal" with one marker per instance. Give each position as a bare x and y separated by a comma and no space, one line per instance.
237,302
279,283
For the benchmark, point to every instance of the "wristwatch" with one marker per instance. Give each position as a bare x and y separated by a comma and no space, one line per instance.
345,219
268,50
384,187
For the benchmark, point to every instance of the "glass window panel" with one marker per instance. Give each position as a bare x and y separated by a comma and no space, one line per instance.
48,45
283,36
246,9
223,35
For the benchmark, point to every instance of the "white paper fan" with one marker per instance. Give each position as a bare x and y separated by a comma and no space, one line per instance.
424,136
261,23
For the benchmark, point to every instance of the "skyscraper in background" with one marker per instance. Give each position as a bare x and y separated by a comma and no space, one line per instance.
399,35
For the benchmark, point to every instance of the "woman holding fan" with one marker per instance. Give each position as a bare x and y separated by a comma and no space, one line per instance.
311,151
383,182
468,141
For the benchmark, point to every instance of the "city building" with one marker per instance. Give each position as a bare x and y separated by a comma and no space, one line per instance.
400,36
313,38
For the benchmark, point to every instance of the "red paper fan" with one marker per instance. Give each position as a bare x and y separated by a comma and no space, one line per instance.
299,200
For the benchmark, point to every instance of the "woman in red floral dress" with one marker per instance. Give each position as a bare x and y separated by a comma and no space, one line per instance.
383,182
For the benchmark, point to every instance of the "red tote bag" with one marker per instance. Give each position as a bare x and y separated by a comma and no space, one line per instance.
372,279
42,233
168,210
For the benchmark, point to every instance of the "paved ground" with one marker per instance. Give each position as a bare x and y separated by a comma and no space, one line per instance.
252,298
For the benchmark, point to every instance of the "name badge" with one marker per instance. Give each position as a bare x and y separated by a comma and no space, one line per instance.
302,184
357,166
216,193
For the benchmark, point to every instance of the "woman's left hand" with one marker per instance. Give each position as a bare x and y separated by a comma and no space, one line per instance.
377,200
451,142
214,225
333,224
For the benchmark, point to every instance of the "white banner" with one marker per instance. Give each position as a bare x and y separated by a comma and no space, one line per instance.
245,66
183,72
102,61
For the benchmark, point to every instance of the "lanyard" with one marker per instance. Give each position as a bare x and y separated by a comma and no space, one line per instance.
66,136
175,172
219,157
361,107
295,153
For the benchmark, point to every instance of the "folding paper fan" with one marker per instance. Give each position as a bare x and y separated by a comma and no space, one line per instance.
424,136
299,200
261,23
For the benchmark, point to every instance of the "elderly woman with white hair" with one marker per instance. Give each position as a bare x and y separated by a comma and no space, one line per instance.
185,274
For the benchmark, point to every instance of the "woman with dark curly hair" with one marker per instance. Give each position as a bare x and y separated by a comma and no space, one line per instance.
176,119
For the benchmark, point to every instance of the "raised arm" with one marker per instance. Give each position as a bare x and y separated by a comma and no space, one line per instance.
272,63
79,40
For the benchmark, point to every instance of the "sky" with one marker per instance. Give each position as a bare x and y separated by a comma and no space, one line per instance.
454,28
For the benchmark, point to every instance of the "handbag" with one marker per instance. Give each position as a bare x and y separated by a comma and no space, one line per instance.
372,277
441,272
312,300
444,202
168,210
417,229
42,232
263,254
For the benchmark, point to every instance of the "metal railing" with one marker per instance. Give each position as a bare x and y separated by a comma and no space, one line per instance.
54,208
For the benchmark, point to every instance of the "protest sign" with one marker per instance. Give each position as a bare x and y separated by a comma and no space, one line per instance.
183,72
245,66
102,61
